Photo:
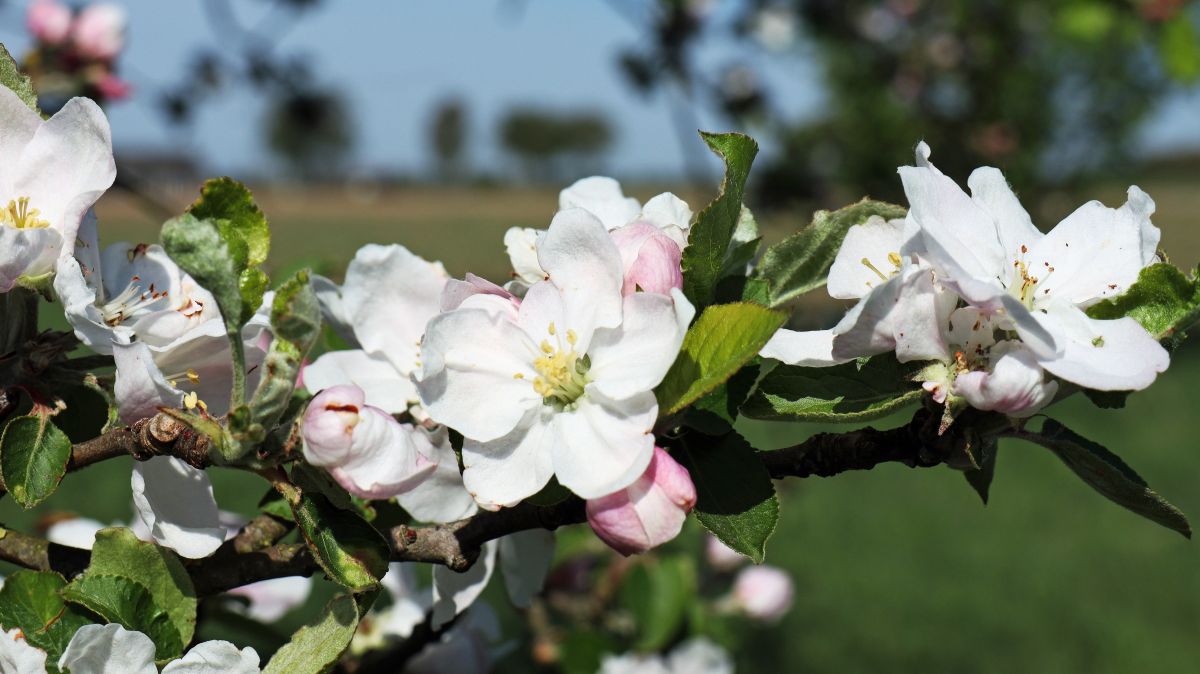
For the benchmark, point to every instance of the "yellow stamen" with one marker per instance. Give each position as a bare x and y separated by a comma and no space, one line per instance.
18,214
868,265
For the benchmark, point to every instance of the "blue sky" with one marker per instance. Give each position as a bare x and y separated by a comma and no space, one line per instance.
395,59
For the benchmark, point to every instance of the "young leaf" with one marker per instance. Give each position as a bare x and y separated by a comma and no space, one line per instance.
716,412
658,593
30,600
227,199
1162,299
725,338
710,236
117,552
296,323
846,393
347,547
33,458
801,262
735,498
1108,474
214,259
314,648
118,599
12,77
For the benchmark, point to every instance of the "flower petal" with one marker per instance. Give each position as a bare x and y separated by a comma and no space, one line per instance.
525,559
583,263
333,308
504,471
670,214
1116,355
603,445
20,123
807,348
271,599
521,243
108,649
635,356
383,460
215,657
140,387
441,497
873,241
27,252
1014,385
383,385
454,592
176,502
1014,227
603,198
17,656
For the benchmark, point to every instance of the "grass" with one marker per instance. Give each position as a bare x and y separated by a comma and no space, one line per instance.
897,570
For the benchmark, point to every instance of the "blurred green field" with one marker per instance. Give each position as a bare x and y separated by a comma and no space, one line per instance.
897,570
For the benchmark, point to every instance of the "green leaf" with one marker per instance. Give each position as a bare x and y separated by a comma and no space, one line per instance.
12,77
716,412
295,323
980,478
583,649
347,547
1179,48
229,200
30,600
118,599
214,259
117,552
1108,474
801,262
1162,299
316,647
719,343
710,236
735,498
33,458
743,246
658,593
847,393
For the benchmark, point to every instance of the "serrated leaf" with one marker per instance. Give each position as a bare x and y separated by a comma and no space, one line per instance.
118,552
719,343
347,547
735,497
30,600
657,593
33,458
316,647
801,262
229,200
1105,472
118,599
847,393
1162,299
710,236
20,83
214,259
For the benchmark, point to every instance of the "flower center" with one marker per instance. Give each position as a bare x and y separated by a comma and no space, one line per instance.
132,302
1022,283
893,258
562,372
18,214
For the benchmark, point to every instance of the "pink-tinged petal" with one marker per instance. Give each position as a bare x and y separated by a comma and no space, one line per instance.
1013,385
875,241
215,657
140,387
383,460
1014,227
176,502
456,292
650,258
634,357
649,512
811,348
603,445
383,386
99,31
329,423
454,592
764,592
525,559
48,21
509,469
477,373
1116,355
388,297
583,263
108,649
17,656
603,198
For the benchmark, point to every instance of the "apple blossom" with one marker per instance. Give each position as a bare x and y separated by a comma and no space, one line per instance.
995,258
17,656
99,31
48,21
763,592
112,649
54,170
564,387
175,501
720,556
693,656
651,259
647,513
271,599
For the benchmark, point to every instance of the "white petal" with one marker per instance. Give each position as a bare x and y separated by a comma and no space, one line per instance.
20,123
525,559
1140,207
17,656
271,599
869,328
1117,355
441,497
409,601
1014,227
108,649
383,385
27,252
1033,332
874,241
603,445
809,348
584,264
504,471
1014,385
670,214
603,198
922,311
634,357
522,244
468,381
78,298
453,592
383,459
140,387
78,532
389,295
215,657
698,654
333,308
176,503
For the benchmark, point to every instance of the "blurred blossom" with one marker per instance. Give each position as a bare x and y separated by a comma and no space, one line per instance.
99,31
763,593
775,27
48,21
271,599
720,556
113,88
944,50
647,513
879,24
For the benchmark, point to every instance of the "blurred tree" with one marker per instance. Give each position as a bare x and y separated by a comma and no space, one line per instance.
550,144
448,139
310,130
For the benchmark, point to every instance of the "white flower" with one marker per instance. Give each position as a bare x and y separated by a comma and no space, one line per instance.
271,599
694,656
53,171
17,656
112,649
175,501
995,258
564,387
763,592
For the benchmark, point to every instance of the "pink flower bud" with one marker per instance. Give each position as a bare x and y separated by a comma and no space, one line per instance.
720,556
99,31
647,513
113,88
48,20
650,259
763,593
329,423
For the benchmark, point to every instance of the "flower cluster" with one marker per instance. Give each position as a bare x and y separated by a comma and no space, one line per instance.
75,51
